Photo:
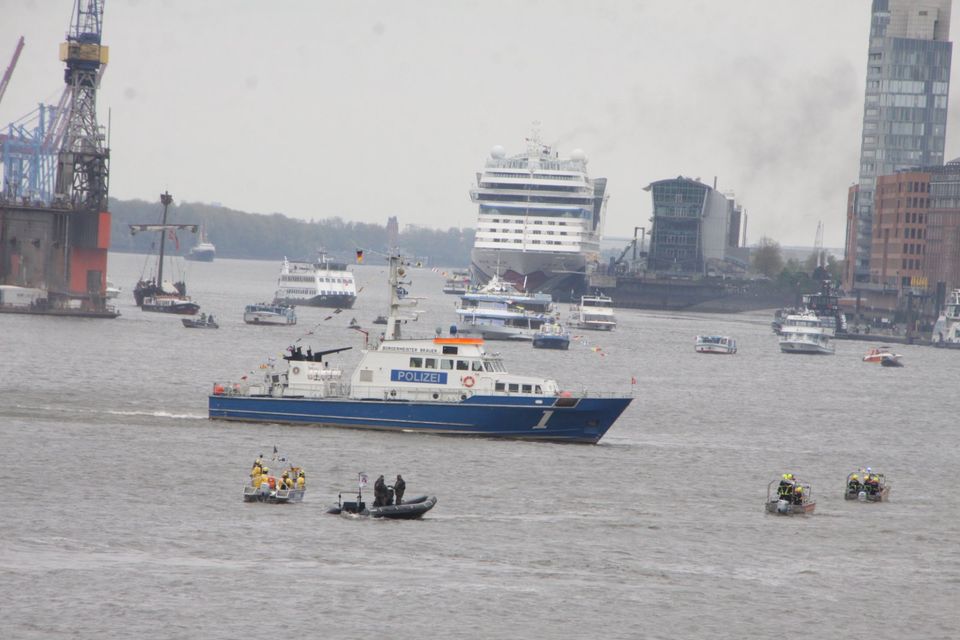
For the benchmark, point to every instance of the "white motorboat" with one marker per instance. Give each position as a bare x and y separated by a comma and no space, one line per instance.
946,331
596,312
498,311
715,344
263,313
804,333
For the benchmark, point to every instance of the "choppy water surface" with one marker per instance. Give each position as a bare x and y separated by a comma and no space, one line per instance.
122,514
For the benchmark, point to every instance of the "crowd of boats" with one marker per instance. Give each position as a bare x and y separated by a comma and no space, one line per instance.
788,495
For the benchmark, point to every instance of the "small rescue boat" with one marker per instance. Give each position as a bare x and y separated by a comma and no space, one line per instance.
265,487
788,496
204,322
866,486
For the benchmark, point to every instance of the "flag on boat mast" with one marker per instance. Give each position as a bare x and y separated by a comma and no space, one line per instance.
362,479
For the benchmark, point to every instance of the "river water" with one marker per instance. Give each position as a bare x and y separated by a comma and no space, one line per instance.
122,515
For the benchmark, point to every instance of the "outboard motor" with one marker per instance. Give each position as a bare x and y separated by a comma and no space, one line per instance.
453,329
862,496
783,506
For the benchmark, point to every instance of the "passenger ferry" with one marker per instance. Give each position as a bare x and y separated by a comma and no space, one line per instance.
596,313
316,284
498,311
443,385
804,333
263,313
946,331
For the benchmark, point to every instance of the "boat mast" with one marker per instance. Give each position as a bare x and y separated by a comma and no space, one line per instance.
165,199
393,319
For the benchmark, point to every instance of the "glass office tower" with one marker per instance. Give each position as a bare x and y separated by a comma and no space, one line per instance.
905,107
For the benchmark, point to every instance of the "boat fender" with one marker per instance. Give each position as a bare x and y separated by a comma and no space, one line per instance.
469,381
783,506
296,370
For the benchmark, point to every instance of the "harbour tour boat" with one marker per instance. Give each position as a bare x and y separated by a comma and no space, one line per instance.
788,496
443,385
946,331
323,283
866,486
156,294
596,313
804,333
551,335
715,344
264,313
499,311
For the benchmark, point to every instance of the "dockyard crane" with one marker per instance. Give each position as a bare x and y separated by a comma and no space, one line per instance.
83,163
9,72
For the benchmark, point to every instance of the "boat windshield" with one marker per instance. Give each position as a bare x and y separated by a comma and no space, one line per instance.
494,365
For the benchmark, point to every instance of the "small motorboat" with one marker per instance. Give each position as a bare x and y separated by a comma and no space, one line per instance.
866,486
380,320
891,361
715,344
551,335
881,353
203,322
407,510
788,496
265,487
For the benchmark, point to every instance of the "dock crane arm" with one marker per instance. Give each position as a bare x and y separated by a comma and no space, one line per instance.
9,72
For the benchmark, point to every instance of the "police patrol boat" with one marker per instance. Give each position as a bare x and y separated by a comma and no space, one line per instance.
443,385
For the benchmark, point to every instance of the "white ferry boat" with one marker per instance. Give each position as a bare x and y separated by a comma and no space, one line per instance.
946,331
804,333
540,219
204,250
715,344
316,284
264,313
596,313
498,311
458,283
447,385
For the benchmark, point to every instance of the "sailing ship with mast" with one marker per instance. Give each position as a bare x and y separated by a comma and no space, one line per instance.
157,294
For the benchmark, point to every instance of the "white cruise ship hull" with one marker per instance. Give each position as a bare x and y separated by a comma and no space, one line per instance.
555,273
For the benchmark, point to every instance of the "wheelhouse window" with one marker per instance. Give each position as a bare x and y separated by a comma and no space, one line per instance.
446,363
476,365
463,365
500,386
430,363
416,363
514,388
527,388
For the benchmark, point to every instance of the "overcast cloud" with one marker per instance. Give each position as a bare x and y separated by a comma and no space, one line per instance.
369,109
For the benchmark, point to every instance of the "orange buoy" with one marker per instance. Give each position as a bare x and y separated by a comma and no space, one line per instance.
218,389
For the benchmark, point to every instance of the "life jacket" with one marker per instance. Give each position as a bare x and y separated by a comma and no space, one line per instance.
272,482
301,482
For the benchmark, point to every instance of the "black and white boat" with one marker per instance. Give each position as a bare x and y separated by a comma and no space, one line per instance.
155,293
270,314
323,283
203,322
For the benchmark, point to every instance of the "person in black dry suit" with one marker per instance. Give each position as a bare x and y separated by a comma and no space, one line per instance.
380,493
398,488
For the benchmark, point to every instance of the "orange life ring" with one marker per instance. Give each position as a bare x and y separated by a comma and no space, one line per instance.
469,381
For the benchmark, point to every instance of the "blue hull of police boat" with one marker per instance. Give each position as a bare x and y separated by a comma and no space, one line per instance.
557,419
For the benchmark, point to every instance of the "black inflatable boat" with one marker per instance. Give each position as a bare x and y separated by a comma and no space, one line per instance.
407,510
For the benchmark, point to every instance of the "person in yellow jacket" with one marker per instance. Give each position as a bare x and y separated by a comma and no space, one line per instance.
301,480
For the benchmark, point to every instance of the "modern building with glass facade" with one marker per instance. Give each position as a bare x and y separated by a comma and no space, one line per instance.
905,109
696,229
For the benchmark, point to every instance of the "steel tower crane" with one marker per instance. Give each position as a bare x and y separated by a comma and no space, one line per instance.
83,161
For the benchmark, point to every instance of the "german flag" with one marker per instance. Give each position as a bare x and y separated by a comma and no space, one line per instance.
359,256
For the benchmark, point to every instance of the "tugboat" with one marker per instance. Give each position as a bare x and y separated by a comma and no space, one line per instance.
866,486
788,496
154,294
406,510
443,385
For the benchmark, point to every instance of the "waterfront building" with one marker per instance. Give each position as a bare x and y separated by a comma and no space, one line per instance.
905,109
942,233
696,229
899,247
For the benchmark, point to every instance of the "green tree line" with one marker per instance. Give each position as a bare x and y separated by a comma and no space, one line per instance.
238,234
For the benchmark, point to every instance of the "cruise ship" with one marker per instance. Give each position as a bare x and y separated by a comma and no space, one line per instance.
540,219
316,284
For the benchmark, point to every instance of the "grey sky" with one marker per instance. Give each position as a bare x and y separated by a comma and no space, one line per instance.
369,109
